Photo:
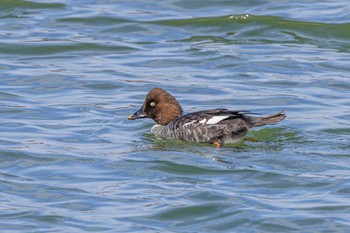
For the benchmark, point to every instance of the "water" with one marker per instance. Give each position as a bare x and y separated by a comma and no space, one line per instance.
72,71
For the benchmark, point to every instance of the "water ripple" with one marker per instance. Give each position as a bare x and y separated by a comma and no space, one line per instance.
72,71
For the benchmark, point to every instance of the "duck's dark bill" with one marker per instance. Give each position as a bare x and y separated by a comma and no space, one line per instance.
137,115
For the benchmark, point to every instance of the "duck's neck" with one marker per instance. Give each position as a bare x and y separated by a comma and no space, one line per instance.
169,114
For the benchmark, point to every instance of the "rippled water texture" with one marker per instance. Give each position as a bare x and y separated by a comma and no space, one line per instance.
72,71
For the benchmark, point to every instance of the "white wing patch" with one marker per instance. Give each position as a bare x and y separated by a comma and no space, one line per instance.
211,121
203,121
216,119
189,123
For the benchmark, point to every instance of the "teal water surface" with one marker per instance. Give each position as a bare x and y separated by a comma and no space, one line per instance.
72,71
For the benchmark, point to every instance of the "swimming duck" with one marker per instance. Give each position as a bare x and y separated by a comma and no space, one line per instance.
216,126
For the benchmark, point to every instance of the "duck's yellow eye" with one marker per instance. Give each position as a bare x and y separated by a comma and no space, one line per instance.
152,104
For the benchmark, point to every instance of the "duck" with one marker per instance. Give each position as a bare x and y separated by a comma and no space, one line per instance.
216,126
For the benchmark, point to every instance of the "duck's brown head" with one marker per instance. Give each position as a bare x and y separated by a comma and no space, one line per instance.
160,106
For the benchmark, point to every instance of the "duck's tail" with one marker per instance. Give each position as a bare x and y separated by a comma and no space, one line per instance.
272,119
